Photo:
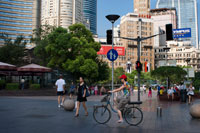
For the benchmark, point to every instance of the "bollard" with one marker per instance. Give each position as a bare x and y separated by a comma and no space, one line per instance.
159,111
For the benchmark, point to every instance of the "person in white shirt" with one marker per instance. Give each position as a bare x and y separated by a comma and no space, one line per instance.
60,87
190,93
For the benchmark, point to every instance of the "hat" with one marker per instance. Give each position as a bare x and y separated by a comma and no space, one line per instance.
123,77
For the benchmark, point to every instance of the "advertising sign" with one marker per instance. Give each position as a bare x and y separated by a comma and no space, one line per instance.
182,33
104,50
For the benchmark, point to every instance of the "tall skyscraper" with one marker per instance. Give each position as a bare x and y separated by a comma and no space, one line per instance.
62,12
187,16
142,6
19,17
90,14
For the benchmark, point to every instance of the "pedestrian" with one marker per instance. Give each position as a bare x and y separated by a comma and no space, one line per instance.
145,89
60,87
103,90
170,92
123,100
96,90
22,83
190,93
81,97
72,90
158,88
150,92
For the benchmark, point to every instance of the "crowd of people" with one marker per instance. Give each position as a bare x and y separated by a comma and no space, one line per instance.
82,91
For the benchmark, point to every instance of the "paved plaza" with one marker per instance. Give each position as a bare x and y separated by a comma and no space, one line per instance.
41,115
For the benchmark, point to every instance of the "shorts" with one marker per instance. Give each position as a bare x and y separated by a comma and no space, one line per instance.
121,103
60,93
72,92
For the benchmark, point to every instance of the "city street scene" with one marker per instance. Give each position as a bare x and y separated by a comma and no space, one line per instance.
98,66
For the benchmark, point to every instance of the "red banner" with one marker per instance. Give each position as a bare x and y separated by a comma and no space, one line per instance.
104,50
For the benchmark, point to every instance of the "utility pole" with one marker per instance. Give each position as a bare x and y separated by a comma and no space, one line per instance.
139,39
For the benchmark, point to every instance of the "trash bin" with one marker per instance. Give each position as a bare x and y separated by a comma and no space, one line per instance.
183,95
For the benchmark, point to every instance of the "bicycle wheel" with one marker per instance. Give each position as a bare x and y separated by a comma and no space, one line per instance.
133,116
101,114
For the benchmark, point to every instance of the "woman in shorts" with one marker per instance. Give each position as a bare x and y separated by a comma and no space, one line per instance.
190,93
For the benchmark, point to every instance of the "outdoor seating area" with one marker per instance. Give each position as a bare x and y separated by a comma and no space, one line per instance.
29,76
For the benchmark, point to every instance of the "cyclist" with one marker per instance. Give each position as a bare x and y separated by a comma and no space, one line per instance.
124,99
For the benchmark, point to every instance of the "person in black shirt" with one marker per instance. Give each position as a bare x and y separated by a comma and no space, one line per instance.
81,97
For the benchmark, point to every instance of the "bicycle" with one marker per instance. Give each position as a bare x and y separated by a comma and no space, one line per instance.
132,114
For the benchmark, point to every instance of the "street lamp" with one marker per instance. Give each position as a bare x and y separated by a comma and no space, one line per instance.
112,18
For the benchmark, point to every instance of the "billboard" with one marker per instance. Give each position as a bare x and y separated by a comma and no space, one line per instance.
182,33
104,50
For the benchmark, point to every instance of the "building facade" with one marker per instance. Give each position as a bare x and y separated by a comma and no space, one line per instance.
130,28
90,14
142,6
179,53
19,18
187,16
161,17
62,12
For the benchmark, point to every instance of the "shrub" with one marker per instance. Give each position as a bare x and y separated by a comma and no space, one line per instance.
2,84
12,86
35,86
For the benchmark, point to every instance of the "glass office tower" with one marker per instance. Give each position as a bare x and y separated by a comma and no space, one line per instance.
187,15
19,17
90,13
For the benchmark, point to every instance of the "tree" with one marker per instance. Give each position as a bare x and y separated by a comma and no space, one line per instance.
131,77
40,38
172,73
75,51
13,51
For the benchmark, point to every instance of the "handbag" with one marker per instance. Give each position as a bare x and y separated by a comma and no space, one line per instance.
87,92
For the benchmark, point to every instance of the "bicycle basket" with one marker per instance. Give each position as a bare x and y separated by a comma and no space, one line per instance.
104,99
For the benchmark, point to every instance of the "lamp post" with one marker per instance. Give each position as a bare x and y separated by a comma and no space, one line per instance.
166,49
112,18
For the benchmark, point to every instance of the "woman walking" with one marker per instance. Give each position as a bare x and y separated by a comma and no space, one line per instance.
150,92
81,97
190,93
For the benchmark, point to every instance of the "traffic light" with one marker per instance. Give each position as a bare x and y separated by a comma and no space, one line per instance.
169,32
109,36
138,66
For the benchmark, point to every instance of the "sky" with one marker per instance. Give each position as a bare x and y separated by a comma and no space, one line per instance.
120,7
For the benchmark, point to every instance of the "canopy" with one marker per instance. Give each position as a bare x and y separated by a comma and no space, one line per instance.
34,68
5,66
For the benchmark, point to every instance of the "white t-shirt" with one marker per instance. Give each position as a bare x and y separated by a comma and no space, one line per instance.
60,83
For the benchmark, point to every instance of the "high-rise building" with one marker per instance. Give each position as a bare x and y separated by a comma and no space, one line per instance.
161,17
90,14
62,12
19,18
187,16
142,6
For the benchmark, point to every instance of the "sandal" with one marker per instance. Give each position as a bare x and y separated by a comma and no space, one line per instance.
76,115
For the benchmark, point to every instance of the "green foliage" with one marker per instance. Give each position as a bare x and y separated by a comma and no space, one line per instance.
2,84
117,73
12,86
73,50
40,38
35,86
12,51
196,82
131,77
175,74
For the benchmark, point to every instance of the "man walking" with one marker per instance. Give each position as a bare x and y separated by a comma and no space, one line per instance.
60,87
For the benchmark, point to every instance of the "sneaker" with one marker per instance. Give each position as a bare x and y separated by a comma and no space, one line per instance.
59,106
120,121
